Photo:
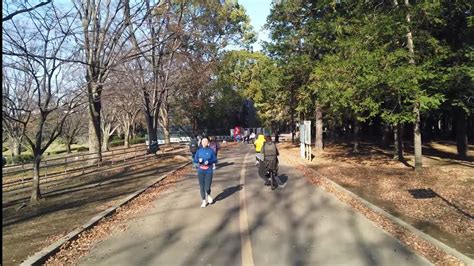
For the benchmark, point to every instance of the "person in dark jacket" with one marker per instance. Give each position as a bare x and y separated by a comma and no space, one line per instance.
193,147
205,158
270,158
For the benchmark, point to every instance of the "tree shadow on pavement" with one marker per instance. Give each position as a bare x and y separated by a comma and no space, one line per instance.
224,164
285,228
228,192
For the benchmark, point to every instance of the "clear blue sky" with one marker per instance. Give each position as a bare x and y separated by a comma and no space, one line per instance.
258,10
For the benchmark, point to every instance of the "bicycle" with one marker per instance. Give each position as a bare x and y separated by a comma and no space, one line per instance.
270,176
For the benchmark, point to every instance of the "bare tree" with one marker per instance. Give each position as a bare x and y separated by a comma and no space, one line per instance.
155,38
103,38
74,126
52,97
127,111
200,29
16,105
110,119
23,8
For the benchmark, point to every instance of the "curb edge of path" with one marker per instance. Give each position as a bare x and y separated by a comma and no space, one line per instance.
449,250
40,257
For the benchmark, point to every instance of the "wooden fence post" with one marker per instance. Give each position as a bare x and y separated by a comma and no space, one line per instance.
45,170
83,159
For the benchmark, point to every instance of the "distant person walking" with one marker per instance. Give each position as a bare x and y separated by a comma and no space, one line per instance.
258,148
193,147
205,157
214,145
252,137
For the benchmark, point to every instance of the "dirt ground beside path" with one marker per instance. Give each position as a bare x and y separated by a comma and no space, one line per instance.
29,230
438,200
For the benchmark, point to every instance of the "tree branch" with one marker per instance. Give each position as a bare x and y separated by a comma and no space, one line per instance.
9,17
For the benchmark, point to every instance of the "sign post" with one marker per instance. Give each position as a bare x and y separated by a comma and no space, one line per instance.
302,146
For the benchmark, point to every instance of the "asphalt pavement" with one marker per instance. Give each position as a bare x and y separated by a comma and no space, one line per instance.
249,224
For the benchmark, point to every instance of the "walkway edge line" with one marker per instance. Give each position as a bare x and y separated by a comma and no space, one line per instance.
464,258
246,244
41,256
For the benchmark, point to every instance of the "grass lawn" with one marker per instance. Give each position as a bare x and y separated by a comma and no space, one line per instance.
54,149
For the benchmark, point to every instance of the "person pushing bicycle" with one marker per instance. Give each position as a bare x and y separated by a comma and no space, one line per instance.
270,161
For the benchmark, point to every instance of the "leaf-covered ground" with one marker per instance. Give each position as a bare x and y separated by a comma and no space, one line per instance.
29,229
439,200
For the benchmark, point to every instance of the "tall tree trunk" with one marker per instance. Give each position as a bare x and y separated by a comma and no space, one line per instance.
319,128
461,133
386,135
15,150
331,133
15,147
398,142
445,124
356,140
292,127
165,122
95,131
36,193
277,135
132,131
437,128
470,127
195,129
416,106
126,140
151,128
417,138
105,142
68,146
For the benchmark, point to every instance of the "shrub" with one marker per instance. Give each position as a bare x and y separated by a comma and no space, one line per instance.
58,152
23,158
137,140
116,143
4,149
82,148
116,138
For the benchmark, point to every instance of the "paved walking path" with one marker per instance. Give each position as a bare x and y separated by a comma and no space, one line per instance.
297,224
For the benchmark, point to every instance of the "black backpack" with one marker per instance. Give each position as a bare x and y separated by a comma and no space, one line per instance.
193,146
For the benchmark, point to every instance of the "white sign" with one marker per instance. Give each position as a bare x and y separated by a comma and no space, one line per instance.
307,132
302,147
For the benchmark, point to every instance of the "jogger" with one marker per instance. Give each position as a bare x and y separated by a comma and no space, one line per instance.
205,158
205,181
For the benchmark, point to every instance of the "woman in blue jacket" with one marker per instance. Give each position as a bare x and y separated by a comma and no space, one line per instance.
205,158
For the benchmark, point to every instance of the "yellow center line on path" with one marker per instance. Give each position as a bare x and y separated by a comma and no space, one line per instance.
246,245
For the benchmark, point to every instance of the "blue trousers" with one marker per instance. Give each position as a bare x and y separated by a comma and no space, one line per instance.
205,181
